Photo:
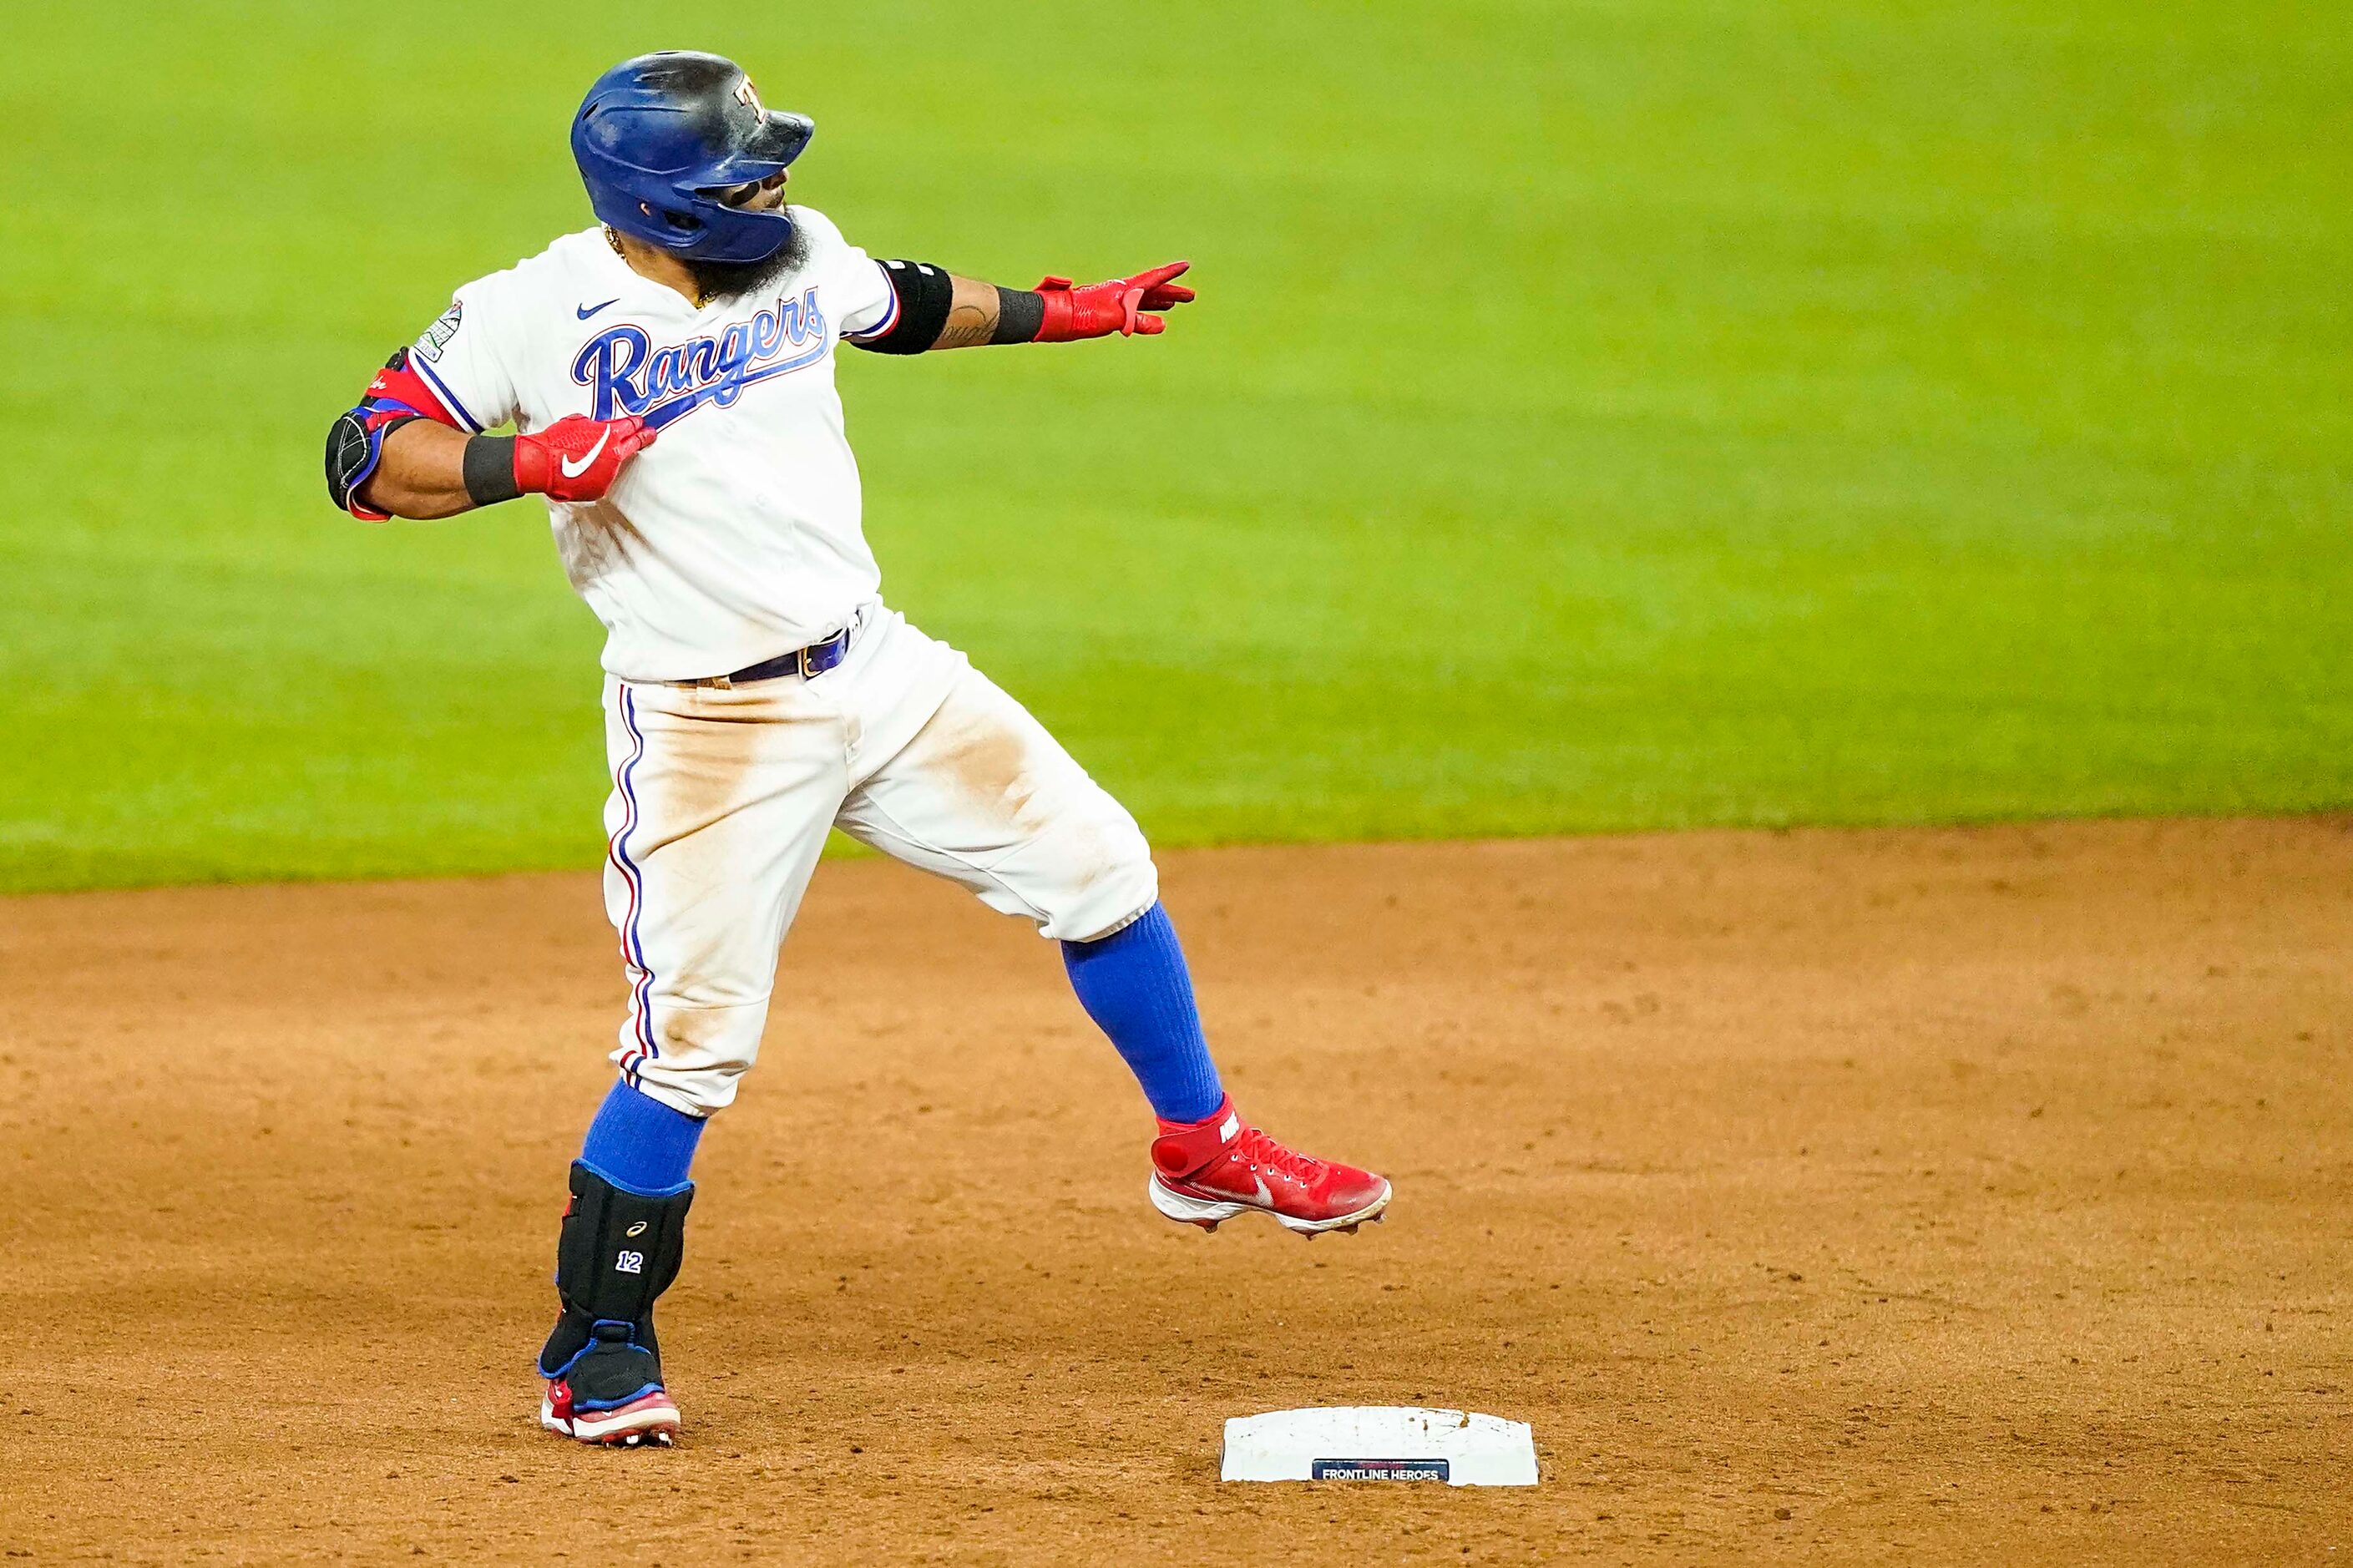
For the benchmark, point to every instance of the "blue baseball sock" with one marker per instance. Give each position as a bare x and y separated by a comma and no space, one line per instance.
1133,985
639,1144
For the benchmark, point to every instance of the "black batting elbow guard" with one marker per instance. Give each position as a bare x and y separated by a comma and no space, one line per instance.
354,448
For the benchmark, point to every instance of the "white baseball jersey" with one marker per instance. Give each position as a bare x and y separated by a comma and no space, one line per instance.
736,536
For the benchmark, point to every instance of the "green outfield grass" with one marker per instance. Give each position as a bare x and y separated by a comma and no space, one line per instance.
1600,415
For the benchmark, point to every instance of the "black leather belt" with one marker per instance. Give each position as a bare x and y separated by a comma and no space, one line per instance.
807,662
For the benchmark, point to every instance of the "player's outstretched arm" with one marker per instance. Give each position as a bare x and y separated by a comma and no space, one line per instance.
400,454
938,309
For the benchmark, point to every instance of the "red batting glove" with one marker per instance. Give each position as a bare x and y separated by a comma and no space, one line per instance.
1100,309
576,457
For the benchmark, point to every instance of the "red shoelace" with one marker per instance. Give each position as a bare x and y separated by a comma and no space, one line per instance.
1256,1148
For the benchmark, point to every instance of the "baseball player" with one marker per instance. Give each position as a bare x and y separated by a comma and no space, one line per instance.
670,376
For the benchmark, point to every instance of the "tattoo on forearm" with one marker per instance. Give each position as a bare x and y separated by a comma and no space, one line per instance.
968,324
972,315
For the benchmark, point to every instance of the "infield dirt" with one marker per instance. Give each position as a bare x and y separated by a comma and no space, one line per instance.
1938,1195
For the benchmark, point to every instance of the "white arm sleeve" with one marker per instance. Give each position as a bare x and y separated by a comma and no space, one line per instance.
871,320
857,295
458,358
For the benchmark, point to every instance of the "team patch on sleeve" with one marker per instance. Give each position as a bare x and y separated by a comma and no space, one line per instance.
439,335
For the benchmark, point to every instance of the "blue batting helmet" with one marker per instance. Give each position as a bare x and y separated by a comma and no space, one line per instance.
656,135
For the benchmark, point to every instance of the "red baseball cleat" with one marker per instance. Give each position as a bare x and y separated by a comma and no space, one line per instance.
1205,1172
650,1419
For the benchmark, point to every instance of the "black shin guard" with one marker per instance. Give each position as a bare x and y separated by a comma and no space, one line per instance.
619,1251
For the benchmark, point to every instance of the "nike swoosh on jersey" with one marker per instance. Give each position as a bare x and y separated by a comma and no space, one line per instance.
574,470
584,312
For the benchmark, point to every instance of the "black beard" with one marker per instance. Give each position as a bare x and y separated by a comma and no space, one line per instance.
728,280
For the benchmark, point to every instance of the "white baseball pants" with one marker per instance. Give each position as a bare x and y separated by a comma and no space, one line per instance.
721,802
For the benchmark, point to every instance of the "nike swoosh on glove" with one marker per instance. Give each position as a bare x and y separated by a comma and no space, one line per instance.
577,457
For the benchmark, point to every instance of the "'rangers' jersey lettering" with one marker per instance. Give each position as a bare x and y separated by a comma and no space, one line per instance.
627,375
737,536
